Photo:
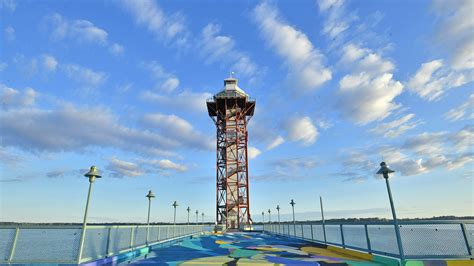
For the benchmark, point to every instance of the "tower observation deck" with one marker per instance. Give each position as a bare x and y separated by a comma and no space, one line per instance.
231,109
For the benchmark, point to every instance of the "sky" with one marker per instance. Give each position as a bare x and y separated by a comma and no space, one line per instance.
340,86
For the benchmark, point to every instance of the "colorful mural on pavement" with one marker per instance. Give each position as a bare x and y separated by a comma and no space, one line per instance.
249,248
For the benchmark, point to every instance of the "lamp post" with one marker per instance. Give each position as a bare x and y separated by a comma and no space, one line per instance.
92,175
385,170
188,209
150,195
202,214
278,210
322,216
175,204
269,216
292,203
263,221
197,213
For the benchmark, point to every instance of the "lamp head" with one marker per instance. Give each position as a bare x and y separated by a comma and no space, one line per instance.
93,174
292,202
175,204
188,209
384,170
150,195
278,207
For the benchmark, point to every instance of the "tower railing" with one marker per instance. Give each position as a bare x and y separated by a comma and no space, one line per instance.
59,244
420,239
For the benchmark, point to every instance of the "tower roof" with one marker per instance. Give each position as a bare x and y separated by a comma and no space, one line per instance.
233,95
231,89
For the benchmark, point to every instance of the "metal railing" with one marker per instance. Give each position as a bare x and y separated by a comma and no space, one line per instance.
420,239
60,244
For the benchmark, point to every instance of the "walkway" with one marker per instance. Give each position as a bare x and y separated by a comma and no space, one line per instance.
248,249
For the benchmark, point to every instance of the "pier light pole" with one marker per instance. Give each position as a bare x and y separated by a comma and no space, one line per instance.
188,209
385,170
197,213
150,196
292,202
263,220
322,216
202,214
92,175
175,204
278,210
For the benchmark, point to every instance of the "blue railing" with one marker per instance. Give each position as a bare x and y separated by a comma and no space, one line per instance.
60,244
420,239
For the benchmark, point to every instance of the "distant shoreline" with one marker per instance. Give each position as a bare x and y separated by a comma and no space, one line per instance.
376,219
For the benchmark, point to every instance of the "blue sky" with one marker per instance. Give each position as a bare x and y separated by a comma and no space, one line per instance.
340,86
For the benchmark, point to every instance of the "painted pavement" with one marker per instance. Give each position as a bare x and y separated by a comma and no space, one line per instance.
248,249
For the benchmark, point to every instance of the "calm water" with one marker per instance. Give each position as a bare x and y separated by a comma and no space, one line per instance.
35,245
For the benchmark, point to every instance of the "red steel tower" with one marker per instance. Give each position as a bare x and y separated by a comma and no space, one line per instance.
231,109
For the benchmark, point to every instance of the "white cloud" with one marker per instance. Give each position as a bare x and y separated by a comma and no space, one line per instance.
88,77
169,165
455,30
13,98
301,129
71,129
164,80
180,129
454,34
277,141
337,21
116,49
220,48
49,63
368,93
460,161
292,164
364,98
433,79
426,143
463,139
120,168
150,15
80,30
8,4
324,5
304,61
253,152
186,100
462,112
396,127
9,33
418,154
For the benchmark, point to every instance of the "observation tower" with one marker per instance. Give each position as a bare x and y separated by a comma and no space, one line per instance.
231,110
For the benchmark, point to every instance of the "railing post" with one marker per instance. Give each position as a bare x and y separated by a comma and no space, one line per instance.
312,236
107,249
12,251
369,247
132,234
342,236
464,233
